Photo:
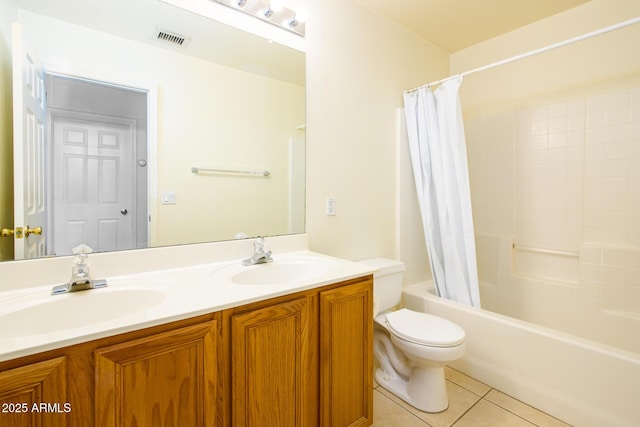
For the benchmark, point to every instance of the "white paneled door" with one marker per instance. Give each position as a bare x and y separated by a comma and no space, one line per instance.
94,183
29,144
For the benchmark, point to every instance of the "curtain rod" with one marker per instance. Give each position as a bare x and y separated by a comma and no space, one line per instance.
534,52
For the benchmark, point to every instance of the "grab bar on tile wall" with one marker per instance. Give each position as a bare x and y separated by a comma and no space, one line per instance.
546,251
240,172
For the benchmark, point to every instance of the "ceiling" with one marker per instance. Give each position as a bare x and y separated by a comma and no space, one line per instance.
457,24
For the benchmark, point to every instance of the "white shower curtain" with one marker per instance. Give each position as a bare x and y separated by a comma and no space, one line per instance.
439,158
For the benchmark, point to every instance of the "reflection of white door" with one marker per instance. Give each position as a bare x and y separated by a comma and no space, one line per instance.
28,151
93,181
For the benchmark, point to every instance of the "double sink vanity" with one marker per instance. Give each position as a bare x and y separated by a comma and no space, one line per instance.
286,343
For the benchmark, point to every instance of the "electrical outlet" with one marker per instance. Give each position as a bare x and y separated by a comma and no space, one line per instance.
330,206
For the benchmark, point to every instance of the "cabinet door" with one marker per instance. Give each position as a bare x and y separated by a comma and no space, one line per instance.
346,354
34,395
274,365
168,379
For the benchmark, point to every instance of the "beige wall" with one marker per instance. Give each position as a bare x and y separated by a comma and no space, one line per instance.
556,73
7,13
209,117
554,159
358,66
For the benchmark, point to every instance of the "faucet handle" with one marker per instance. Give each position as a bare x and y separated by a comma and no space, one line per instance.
80,265
81,249
80,278
258,245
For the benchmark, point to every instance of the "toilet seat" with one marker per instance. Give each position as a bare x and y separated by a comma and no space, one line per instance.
424,329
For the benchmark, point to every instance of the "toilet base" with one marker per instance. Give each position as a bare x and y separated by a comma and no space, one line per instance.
426,389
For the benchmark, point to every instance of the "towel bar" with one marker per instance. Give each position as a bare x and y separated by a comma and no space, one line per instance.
260,173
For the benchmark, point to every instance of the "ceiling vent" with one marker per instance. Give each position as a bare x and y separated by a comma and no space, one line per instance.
173,38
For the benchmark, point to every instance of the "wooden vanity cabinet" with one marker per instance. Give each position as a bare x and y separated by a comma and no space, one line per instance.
299,360
23,389
305,360
160,376
274,365
346,355
167,379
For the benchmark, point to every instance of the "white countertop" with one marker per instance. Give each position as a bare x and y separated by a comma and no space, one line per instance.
136,301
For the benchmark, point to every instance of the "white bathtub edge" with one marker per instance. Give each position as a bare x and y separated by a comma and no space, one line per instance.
579,382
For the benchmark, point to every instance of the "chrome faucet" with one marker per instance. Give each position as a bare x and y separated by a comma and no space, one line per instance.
259,255
80,278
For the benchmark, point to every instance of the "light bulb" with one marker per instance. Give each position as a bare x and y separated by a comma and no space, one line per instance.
276,5
302,15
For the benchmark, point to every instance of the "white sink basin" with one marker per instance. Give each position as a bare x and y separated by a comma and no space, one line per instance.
278,272
55,313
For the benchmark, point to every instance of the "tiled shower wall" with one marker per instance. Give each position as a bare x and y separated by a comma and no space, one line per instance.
562,181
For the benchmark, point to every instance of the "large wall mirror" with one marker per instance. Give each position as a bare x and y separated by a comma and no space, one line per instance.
148,125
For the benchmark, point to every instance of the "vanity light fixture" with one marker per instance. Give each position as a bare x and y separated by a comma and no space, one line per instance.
293,22
297,18
273,7
272,11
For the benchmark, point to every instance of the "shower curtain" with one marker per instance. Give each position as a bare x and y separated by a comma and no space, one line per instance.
439,159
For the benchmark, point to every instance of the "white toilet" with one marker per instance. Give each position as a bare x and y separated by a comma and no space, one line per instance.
411,348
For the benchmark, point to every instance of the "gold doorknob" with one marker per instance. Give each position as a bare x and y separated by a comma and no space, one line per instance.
29,231
17,233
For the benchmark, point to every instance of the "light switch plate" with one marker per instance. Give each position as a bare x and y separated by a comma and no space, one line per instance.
168,197
330,206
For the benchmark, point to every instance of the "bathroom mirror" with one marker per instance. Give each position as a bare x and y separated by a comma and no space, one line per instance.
223,155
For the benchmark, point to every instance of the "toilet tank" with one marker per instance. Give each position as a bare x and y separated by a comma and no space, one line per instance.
387,282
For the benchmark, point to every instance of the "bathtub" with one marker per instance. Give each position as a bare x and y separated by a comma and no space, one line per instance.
579,381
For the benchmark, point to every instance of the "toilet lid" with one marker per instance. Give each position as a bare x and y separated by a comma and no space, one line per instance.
423,328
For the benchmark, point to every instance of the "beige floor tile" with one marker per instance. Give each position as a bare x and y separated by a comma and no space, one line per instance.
460,400
486,414
387,413
466,381
527,412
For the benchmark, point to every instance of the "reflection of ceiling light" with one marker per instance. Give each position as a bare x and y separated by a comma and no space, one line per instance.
296,19
271,11
302,15
276,5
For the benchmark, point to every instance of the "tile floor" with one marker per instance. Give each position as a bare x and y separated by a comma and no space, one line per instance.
471,404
